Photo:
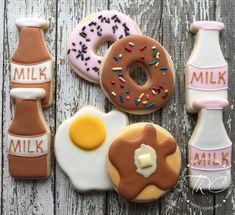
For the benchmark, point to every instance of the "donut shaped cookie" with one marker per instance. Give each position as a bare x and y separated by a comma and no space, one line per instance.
122,90
149,164
90,32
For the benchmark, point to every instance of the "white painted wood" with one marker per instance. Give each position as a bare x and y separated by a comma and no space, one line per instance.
72,93
164,20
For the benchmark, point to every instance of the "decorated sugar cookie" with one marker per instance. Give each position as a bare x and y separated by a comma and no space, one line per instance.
206,72
31,63
90,32
119,87
149,164
28,137
210,149
81,146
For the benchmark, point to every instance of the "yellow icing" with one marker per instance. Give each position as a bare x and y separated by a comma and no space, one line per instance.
87,131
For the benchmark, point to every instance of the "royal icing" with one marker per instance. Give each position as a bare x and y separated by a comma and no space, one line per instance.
206,73
31,63
210,148
119,86
80,129
132,182
28,136
100,27
85,163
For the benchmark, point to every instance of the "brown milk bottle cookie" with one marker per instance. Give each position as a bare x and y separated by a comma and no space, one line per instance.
31,63
28,136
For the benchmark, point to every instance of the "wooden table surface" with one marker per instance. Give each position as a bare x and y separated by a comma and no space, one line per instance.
164,20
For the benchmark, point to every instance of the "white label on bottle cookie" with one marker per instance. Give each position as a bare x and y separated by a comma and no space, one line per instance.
35,73
27,146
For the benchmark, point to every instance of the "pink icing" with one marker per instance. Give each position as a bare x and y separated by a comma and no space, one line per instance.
206,25
211,103
212,78
209,159
107,25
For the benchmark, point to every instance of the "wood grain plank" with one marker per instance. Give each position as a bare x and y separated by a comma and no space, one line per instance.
72,93
147,14
21,196
224,201
2,26
176,18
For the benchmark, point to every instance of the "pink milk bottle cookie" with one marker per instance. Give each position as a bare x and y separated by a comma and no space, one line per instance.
28,138
206,74
209,148
31,63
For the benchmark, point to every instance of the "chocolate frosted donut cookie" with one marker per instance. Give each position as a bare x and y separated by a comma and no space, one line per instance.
144,162
122,90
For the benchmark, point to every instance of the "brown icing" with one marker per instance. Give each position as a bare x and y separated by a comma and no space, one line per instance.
31,51
28,123
121,155
27,120
46,86
160,85
28,167
31,48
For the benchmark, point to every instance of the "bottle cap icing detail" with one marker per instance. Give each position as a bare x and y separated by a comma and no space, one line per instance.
28,93
206,25
131,181
87,132
32,22
85,38
211,103
86,169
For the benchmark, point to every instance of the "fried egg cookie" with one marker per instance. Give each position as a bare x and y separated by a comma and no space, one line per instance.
81,145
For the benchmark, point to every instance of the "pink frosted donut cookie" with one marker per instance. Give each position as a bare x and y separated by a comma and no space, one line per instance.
90,32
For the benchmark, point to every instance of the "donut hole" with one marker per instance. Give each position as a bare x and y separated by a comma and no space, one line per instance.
102,46
138,73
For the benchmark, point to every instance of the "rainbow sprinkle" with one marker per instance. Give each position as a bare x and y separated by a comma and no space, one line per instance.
153,62
154,92
131,44
120,74
156,64
127,49
143,48
154,47
163,68
117,68
128,97
113,93
136,101
115,57
120,56
121,98
150,105
122,79
127,91
145,102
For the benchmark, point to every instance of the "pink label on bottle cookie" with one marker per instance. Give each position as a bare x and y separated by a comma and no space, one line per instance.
27,146
213,78
209,159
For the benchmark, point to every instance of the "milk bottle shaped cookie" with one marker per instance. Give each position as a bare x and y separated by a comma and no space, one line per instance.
209,149
28,136
206,73
31,63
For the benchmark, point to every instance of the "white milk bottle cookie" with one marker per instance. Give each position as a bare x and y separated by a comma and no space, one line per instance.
28,138
209,149
206,73
31,63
